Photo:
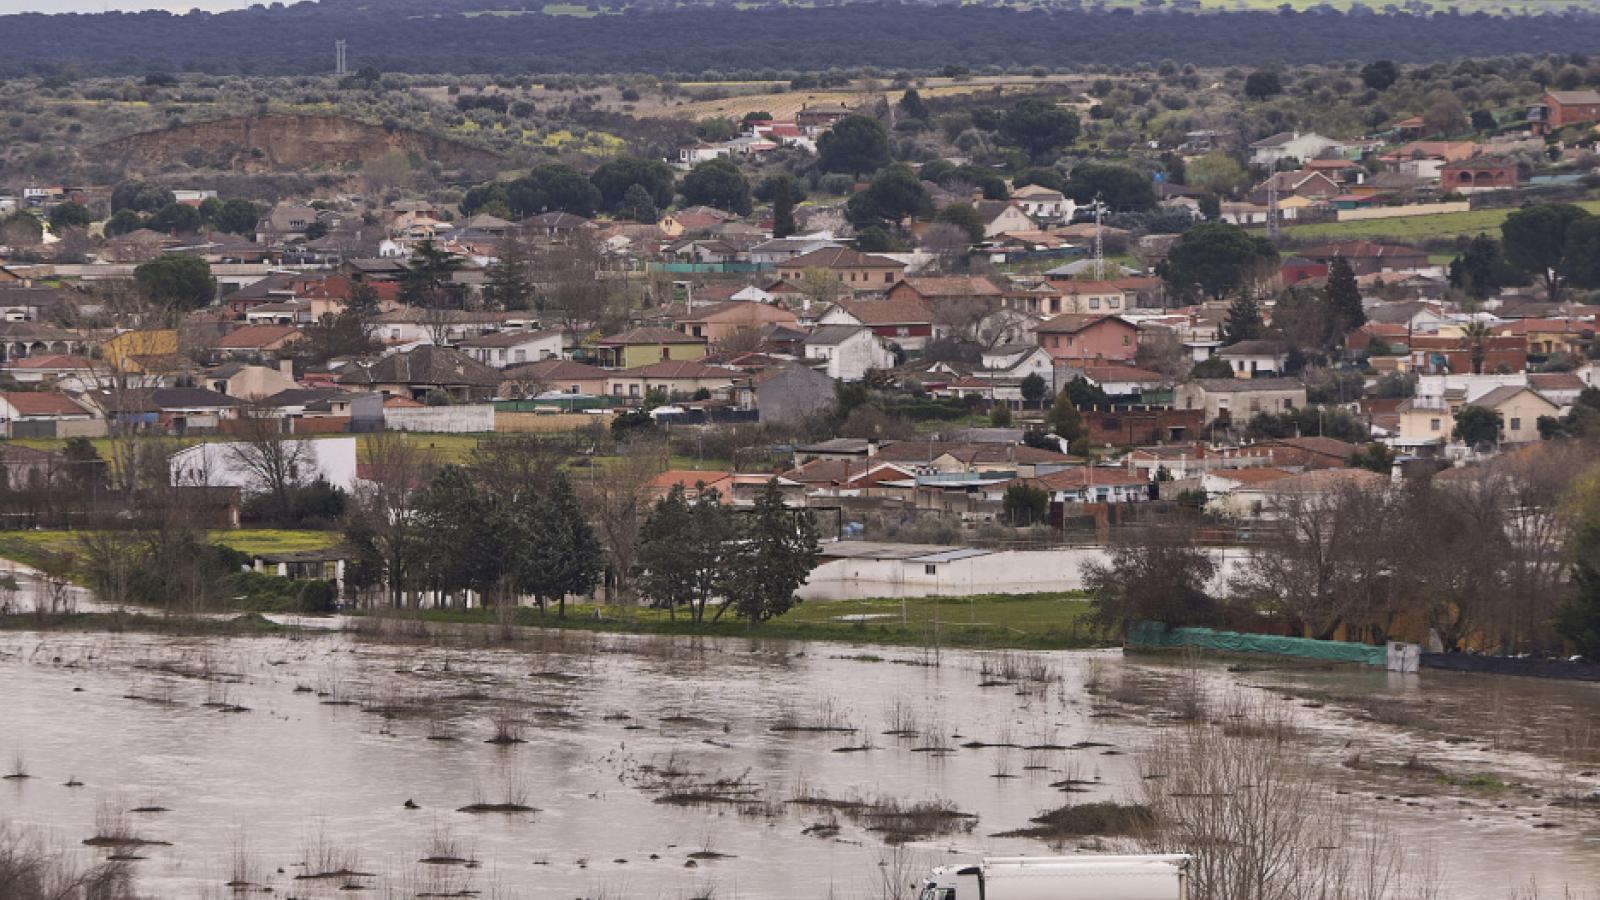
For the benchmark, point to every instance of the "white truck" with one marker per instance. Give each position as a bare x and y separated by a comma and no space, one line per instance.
1148,877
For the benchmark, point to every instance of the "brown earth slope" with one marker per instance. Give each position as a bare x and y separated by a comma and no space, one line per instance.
271,143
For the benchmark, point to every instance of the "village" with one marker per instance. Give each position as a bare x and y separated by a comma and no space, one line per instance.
947,368
850,482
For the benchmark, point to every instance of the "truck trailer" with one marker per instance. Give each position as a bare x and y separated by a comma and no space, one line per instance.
1146,877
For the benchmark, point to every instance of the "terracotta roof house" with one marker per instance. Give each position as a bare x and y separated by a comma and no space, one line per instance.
252,339
1080,338
20,405
1094,484
907,322
722,321
1558,109
1367,257
647,344
563,375
857,270
945,288
422,371
679,378
1480,173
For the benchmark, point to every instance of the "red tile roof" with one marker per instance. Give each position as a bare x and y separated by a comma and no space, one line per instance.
43,403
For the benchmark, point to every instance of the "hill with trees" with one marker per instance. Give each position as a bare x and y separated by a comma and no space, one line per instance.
458,36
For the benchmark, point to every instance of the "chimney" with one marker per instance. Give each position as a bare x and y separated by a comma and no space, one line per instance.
286,366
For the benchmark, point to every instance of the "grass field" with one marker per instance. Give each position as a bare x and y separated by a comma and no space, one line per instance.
27,547
1413,228
784,104
451,448
1056,621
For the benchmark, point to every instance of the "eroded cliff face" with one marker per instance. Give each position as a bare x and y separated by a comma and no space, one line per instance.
254,144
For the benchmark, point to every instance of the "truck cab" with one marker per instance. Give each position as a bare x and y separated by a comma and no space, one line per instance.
950,883
1084,877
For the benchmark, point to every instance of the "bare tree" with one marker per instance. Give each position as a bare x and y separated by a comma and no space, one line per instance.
1160,350
618,500
382,523
948,243
1326,562
1263,818
820,287
575,293
275,463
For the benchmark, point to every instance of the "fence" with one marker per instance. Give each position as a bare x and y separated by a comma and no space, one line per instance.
1155,635
477,417
541,423
1400,212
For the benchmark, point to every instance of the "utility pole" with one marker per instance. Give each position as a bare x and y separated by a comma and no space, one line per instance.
1099,240
1272,207
338,58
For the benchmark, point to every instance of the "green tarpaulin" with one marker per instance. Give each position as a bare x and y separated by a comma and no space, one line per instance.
1155,634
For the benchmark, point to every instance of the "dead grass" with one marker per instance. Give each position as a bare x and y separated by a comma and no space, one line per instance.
1099,819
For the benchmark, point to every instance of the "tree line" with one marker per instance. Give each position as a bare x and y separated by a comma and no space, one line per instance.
442,39
510,523
1495,558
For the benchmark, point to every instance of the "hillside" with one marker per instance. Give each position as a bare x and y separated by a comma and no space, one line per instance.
253,144
453,37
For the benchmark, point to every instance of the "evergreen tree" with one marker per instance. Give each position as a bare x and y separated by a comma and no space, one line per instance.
912,105
1344,296
559,553
684,550
783,223
638,205
1244,321
775,553
510,276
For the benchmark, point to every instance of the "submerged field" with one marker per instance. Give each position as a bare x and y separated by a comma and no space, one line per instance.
565,764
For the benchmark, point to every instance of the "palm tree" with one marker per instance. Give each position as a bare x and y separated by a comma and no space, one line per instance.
1477,336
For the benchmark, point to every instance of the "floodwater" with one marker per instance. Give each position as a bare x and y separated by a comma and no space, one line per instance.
273,754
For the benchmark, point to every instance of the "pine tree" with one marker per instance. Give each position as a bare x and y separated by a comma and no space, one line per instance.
783,210
1344,296
1244,321
775,554
638,205
510,276
912,105
558,552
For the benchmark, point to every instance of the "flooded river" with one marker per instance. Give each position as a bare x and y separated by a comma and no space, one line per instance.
669,768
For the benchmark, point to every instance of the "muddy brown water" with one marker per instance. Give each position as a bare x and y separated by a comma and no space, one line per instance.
282,745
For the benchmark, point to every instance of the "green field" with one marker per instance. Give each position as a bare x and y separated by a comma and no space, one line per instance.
27,547
1054,621
1413,228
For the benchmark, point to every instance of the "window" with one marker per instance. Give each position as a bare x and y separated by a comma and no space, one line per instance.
930,569
1126,340
1433,424
520,356
1113,302
633,390
888,277
1516,424
1094,302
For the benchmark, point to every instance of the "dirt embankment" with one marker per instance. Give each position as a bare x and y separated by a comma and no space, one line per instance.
254,144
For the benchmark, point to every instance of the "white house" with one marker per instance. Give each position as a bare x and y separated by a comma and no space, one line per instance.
1290,145
1255,359
694,154
849,351
225,464
512,348
1043,204
1002,216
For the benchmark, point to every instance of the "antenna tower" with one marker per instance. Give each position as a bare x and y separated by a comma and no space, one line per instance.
338,58
1099,240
